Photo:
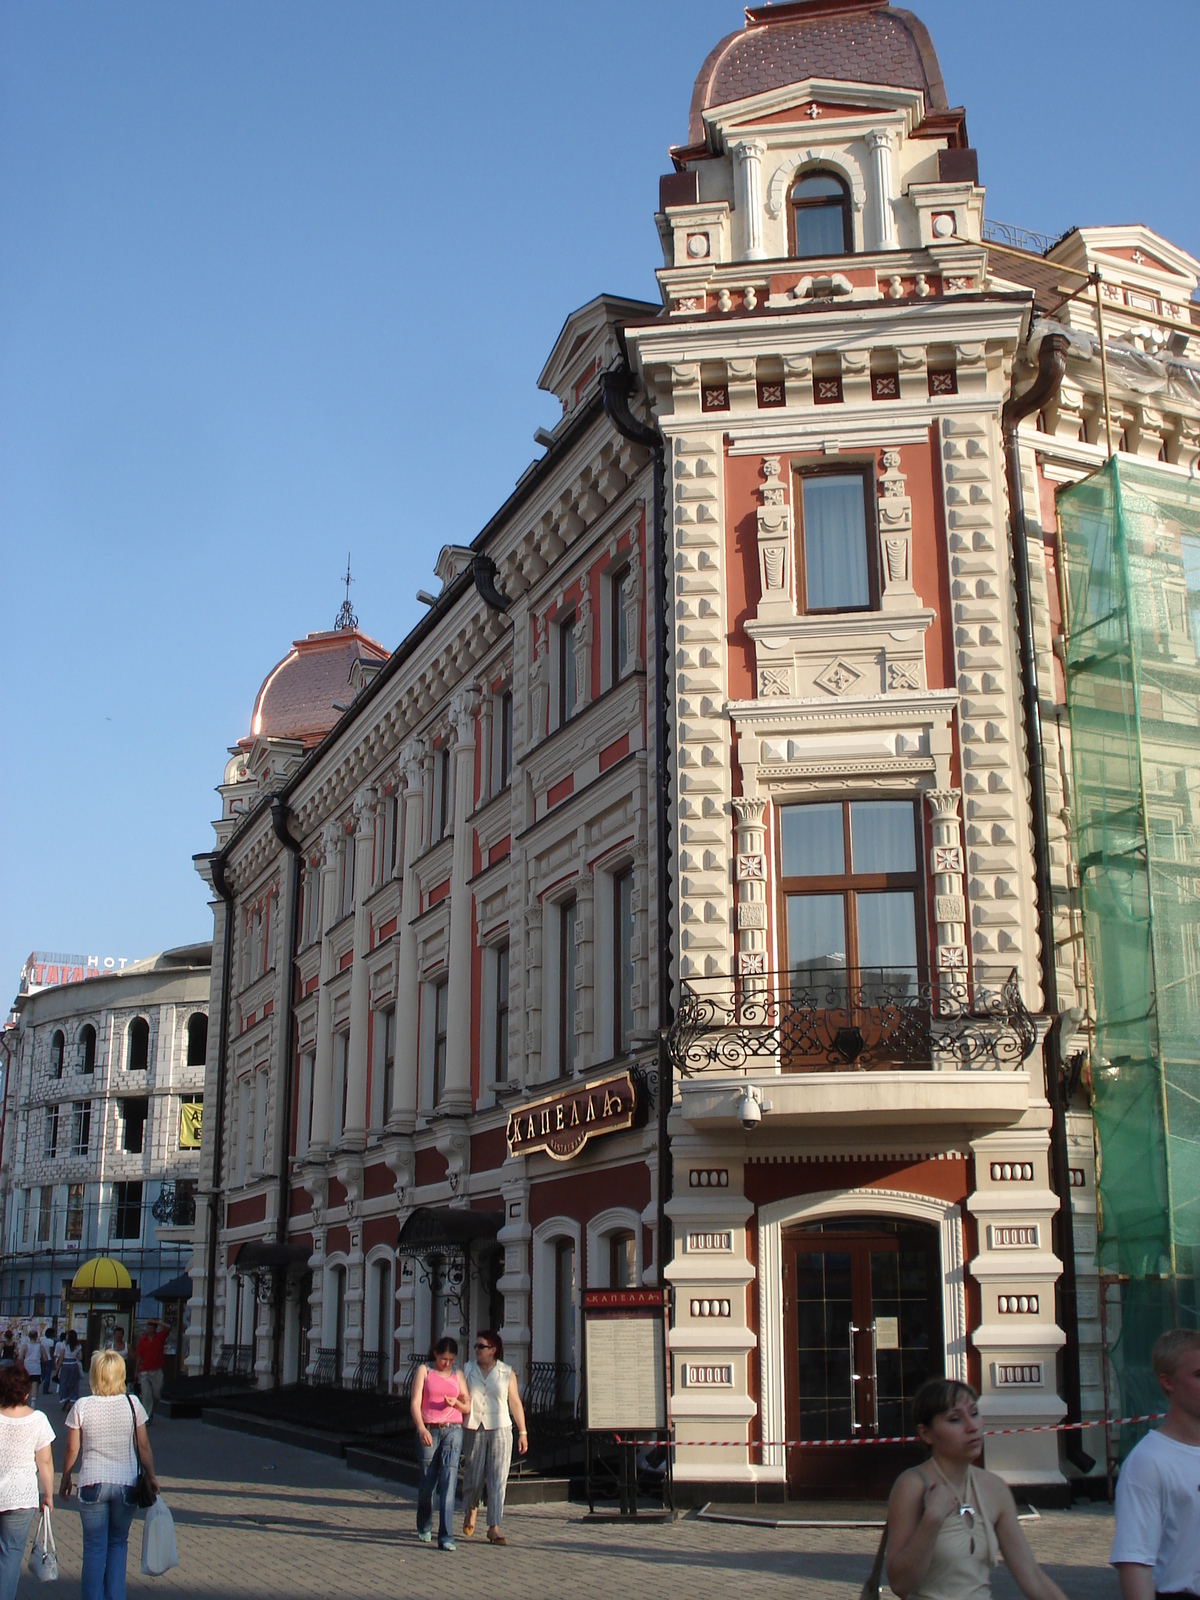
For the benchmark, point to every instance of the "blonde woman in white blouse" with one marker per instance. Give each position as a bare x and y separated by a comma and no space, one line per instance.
495,1406
109,1427
26,1472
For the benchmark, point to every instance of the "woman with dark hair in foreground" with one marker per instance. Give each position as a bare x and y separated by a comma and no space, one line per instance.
949,1521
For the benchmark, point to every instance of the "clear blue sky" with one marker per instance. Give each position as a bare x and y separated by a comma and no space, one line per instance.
276,281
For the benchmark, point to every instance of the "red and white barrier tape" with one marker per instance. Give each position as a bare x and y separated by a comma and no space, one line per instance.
903,1438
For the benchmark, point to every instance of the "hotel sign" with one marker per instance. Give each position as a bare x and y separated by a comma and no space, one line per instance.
562,1123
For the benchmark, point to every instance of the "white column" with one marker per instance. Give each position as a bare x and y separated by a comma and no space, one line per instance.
879,141
355,1131
323,1067
457,1095
747,195
402,1115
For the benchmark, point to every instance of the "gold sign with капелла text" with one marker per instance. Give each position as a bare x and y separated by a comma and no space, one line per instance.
561,1124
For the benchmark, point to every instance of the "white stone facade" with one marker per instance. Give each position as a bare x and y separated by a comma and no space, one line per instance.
97,1080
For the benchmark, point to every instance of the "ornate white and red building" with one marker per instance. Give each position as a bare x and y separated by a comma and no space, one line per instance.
766,845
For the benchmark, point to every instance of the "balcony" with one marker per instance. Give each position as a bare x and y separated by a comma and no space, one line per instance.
176,1204
857,1049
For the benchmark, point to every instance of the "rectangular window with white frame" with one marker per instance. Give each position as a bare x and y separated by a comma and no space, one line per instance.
496,1012
260,1121
383,1062
624,971
348,854
568,687
568,1040
304,1103
341,1075
618,627
50,1132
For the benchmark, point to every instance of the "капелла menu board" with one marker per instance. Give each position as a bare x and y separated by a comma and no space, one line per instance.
626,1381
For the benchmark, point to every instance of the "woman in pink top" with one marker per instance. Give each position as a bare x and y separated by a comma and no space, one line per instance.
439,1403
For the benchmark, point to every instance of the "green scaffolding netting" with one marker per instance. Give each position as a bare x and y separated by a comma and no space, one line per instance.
1131,557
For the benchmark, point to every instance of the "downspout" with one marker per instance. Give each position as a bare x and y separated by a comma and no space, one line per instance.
616,388
1052,364
217,865
279,822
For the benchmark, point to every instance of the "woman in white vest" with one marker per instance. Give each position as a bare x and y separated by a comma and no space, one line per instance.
495,1406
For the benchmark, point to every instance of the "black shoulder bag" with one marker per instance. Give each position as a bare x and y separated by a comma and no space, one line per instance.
143,1493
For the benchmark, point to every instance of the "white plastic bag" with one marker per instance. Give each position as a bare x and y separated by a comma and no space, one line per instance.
43,1558
158,1541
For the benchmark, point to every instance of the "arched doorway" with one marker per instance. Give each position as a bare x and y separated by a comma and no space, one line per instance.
862,1300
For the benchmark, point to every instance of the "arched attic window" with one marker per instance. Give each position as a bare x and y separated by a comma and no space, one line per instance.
57,1045
88,1040
821,217
139,1045
197,1039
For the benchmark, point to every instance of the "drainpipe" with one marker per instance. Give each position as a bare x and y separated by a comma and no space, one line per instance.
1052,363
217,865
616,388
279,822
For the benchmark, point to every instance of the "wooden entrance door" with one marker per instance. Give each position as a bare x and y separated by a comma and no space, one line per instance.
863,1330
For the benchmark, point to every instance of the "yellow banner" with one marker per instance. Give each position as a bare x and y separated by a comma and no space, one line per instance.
191,1114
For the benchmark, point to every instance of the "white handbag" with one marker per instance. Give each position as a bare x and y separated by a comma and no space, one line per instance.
159,1554
43,1558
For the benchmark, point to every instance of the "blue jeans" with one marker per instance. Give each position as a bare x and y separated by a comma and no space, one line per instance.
14,1530
439,1464
106,1511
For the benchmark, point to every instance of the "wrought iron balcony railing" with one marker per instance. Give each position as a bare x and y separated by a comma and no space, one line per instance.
176,1204
867,1019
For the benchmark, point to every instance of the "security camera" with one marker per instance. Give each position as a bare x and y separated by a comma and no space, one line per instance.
750,1108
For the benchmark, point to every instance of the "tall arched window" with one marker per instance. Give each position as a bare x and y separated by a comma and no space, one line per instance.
57,1045
564,1318
197,1039
88,1040
821,218
139,1045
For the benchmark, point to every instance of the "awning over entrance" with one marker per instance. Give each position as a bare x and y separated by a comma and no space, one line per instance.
431,1229
256,1254
176,1289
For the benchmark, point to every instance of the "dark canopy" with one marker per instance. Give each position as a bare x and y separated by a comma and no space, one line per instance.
177,1289
267,1253
433,1228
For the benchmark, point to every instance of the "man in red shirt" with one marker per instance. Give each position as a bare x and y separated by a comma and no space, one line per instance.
149,1359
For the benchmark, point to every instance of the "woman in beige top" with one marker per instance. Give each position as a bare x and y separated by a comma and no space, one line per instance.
949,1521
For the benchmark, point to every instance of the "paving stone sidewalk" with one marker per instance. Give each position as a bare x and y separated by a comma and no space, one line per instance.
257,1519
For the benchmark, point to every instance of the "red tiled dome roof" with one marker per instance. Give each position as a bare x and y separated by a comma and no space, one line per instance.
297,698
849,41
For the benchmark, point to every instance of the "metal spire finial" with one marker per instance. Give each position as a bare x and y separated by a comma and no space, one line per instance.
346,617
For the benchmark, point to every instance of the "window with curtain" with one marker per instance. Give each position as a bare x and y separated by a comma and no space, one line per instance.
567,1038
851,890
836,565
822,222
441,1013
74,1230
622,1260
